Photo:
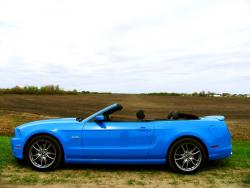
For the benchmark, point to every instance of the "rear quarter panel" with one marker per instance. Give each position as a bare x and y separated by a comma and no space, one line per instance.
209,132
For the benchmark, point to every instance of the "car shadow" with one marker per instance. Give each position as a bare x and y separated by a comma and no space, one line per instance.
217,164
114,167
209,166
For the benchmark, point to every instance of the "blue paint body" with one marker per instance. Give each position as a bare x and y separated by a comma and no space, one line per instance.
141,142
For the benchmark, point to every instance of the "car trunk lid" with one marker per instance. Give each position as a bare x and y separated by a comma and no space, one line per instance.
216,117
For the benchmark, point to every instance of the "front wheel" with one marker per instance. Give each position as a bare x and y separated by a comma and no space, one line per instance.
43,153
186,156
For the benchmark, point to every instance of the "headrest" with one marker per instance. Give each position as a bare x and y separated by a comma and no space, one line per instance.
140,115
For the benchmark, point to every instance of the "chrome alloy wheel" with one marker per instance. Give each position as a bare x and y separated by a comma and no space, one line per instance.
188,157
42,154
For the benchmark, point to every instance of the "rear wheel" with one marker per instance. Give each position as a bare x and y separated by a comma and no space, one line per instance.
43,153
186,156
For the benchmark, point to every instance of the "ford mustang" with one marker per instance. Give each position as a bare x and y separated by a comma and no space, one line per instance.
184,141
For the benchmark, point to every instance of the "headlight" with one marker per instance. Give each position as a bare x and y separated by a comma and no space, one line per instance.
17,132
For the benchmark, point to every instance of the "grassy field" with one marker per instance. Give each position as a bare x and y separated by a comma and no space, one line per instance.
18,109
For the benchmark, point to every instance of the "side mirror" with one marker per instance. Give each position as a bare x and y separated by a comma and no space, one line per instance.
99,118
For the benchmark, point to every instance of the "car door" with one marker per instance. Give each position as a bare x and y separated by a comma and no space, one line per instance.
117,140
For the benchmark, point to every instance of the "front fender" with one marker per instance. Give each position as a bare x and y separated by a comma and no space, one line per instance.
52,133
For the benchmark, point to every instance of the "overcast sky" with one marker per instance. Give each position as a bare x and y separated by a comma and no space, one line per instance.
126,46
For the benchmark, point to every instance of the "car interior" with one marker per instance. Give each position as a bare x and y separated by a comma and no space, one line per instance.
140,116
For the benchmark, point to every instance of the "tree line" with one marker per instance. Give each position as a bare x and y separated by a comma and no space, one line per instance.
47,90
199,94
56,90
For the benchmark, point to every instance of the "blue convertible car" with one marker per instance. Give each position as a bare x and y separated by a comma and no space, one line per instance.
185,142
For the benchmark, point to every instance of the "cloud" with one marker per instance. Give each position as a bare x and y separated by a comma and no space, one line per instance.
126,46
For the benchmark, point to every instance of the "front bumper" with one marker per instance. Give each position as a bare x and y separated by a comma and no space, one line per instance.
17,148
221,153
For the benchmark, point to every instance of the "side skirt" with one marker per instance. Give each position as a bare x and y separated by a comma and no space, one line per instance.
116,161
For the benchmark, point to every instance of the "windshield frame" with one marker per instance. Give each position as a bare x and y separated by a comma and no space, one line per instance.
108,110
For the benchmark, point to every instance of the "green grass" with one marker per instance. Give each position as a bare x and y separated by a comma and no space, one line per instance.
241,155
5,155
235,170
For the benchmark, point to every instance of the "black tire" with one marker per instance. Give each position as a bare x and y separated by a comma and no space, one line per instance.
190,161
52,160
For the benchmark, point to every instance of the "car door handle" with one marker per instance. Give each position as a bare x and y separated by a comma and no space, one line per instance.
144,129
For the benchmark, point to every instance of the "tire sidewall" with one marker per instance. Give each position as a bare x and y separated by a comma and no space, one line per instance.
173,148
55,144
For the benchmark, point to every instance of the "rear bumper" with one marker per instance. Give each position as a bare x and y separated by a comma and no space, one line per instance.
17,148
221,153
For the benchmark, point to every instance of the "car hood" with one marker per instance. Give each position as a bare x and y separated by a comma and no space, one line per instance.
48,121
